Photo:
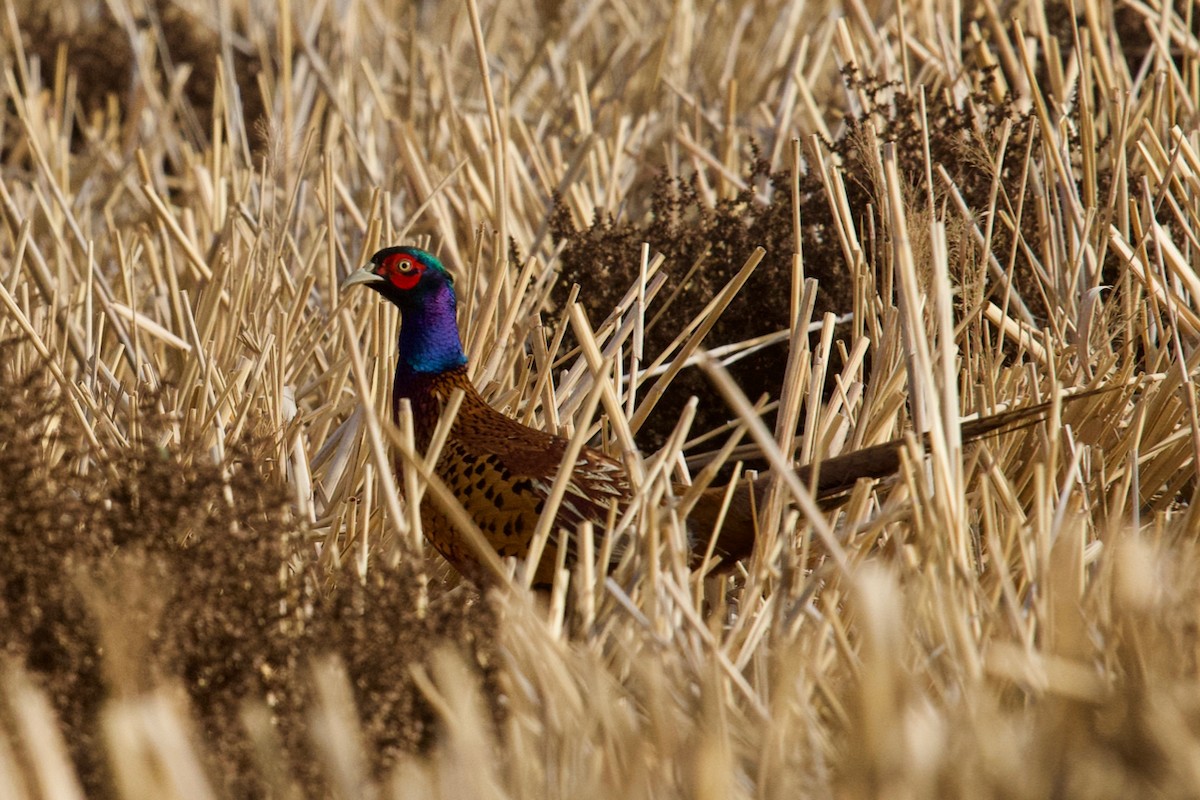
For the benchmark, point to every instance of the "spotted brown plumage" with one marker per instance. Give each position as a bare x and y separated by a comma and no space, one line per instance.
502,472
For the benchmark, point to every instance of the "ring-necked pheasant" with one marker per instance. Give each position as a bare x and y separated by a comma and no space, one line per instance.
502,471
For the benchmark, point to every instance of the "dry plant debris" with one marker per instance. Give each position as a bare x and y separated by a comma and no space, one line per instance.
212,586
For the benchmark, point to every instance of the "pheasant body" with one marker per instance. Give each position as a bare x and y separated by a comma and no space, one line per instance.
502,472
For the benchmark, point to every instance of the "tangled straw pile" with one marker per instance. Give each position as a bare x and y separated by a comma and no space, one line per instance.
210,584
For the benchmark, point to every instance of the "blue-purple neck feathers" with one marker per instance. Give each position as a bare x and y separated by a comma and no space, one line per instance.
429,340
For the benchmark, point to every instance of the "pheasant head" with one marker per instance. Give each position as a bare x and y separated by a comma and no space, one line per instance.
417,283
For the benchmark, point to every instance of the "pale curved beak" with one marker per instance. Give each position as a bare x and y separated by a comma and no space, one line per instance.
364,275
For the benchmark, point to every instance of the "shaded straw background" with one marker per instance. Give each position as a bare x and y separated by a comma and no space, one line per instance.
212,586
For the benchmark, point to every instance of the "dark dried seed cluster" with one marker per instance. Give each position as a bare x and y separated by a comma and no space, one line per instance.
716,239
153,567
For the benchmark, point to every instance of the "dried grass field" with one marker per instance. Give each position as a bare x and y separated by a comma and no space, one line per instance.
212,585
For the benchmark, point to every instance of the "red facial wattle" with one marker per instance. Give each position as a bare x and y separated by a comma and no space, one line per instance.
403,271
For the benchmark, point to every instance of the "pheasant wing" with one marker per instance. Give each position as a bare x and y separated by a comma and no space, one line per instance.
503,472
